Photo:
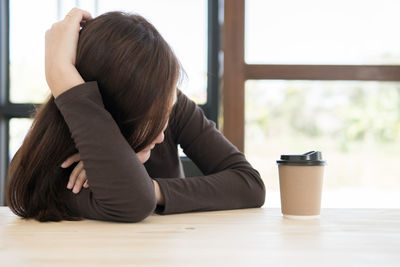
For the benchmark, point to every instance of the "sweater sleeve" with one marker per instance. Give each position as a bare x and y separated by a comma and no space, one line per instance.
230,182
120,187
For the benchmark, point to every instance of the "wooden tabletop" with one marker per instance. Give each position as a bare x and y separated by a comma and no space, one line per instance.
243,237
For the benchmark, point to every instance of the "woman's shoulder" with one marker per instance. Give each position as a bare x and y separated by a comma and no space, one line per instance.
184,110
188,119
184,106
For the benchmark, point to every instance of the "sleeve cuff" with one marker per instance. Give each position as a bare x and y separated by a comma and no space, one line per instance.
83,89
168,203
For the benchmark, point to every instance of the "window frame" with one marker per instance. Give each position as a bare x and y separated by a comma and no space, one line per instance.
236,72
10,110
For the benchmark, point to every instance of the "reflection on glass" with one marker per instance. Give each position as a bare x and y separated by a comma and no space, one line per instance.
18,130
355,124
322,32
182,23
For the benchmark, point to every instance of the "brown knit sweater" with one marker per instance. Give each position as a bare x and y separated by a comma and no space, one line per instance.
121,187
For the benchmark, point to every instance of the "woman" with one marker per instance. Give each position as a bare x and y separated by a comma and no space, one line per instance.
114,119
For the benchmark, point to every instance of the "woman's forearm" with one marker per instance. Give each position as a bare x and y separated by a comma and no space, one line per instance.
120,187
60,52
61,79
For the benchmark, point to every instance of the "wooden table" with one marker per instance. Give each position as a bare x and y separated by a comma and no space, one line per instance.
244,237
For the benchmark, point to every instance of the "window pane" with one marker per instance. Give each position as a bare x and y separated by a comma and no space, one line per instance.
183,24
355,124
322,32
28,24
188,40
18,130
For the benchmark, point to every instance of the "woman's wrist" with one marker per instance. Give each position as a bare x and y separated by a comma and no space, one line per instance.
63,79
159,195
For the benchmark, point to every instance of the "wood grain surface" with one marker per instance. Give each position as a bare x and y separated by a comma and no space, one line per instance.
243,237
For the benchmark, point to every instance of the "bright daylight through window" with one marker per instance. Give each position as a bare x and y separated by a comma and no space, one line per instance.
356,124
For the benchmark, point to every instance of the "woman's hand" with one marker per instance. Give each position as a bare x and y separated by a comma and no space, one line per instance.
60,52
78,178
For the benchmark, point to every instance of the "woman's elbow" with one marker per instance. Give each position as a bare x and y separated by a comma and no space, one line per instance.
257,192
130,212
259,198
140,211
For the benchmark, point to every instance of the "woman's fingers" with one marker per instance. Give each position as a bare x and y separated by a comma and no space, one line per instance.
78,177
78,15
79,182
74,175
71,159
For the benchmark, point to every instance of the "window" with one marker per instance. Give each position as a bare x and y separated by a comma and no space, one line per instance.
22,45
322,32
27,79
356,125
313,75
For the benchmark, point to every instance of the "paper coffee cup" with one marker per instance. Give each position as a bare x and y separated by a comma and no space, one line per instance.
300,183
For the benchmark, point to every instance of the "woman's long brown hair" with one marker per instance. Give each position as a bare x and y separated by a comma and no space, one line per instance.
136,71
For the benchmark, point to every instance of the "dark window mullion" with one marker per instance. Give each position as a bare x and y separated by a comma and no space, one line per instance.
213,45
4,95
12,110
210,108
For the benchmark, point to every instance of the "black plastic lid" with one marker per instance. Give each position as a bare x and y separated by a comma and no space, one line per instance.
312,158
